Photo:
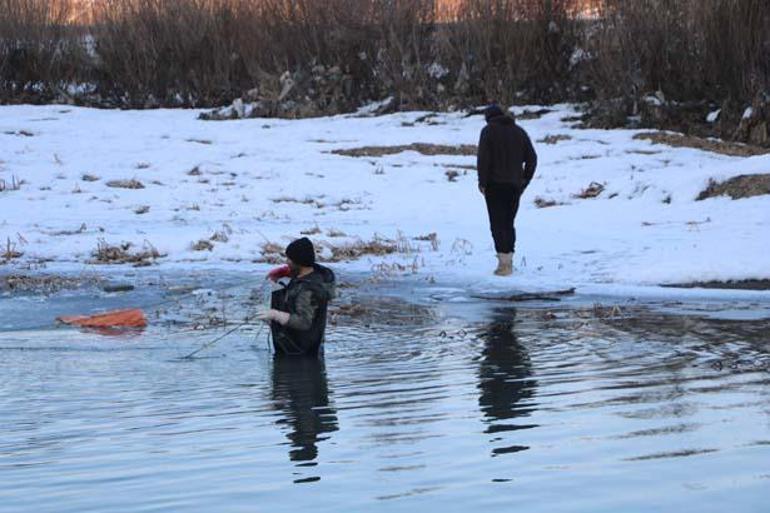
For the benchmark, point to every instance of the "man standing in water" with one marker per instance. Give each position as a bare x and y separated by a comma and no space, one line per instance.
297,313
506,164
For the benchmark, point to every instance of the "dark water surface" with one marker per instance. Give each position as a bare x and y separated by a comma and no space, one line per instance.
410,408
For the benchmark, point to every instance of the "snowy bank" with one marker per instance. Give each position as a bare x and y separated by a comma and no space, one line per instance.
605,210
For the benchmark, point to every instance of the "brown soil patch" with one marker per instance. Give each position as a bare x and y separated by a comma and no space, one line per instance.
688,141
422,148
738,187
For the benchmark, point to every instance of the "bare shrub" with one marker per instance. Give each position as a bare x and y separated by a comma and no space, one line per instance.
39,49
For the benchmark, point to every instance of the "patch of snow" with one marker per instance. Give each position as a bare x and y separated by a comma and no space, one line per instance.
437,71
713,116
748,113
578,55
269,180
374,107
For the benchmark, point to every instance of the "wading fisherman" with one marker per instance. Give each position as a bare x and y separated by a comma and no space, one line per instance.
297,313
506,164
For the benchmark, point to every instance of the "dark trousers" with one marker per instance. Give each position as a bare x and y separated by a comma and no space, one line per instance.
502,206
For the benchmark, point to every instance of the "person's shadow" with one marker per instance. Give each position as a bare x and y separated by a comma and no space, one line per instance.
506,387
301,391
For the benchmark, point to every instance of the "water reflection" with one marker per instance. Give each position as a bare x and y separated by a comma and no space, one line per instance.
505,385
301,391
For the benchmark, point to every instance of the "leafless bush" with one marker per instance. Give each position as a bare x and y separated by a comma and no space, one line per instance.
424,53
39,48
688,49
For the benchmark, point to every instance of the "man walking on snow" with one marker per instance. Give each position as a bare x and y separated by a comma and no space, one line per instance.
506,164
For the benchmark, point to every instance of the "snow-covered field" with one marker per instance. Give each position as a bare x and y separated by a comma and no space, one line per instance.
255,181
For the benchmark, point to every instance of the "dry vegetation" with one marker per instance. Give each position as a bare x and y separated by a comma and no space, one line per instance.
422,148
593,190
699,143
126,184
424,53
123,253
738,187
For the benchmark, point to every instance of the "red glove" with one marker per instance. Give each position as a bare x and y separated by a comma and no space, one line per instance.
279,272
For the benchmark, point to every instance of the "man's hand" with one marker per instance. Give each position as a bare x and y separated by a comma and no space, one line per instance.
482,189
271,315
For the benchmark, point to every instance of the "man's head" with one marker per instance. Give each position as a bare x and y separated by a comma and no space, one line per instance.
300,254
493,111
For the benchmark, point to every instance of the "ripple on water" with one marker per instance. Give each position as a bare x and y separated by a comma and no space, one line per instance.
403,411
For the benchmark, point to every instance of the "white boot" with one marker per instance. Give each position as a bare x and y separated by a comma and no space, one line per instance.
500,265
506,264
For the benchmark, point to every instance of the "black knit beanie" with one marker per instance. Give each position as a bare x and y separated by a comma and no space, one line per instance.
301,252
493,111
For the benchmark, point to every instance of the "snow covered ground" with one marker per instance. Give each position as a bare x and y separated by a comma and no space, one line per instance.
258,181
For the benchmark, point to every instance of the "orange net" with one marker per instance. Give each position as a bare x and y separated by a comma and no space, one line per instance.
133,318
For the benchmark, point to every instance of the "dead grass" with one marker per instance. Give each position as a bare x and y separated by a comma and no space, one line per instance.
432,238
133,183
738,187
358,249
312,231
272,253
422,148
199,141
554,139
90,178
10,252
547,203
593,190
223,234
80,230
122,253
14,185
699,143
333,233
304,201
143,209
202,245
532,114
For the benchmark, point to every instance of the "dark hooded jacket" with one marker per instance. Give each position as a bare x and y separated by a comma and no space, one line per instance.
503,148
306,299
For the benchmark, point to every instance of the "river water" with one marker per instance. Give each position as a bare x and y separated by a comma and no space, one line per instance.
423,400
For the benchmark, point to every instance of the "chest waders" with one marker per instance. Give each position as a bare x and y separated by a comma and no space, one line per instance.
293,342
